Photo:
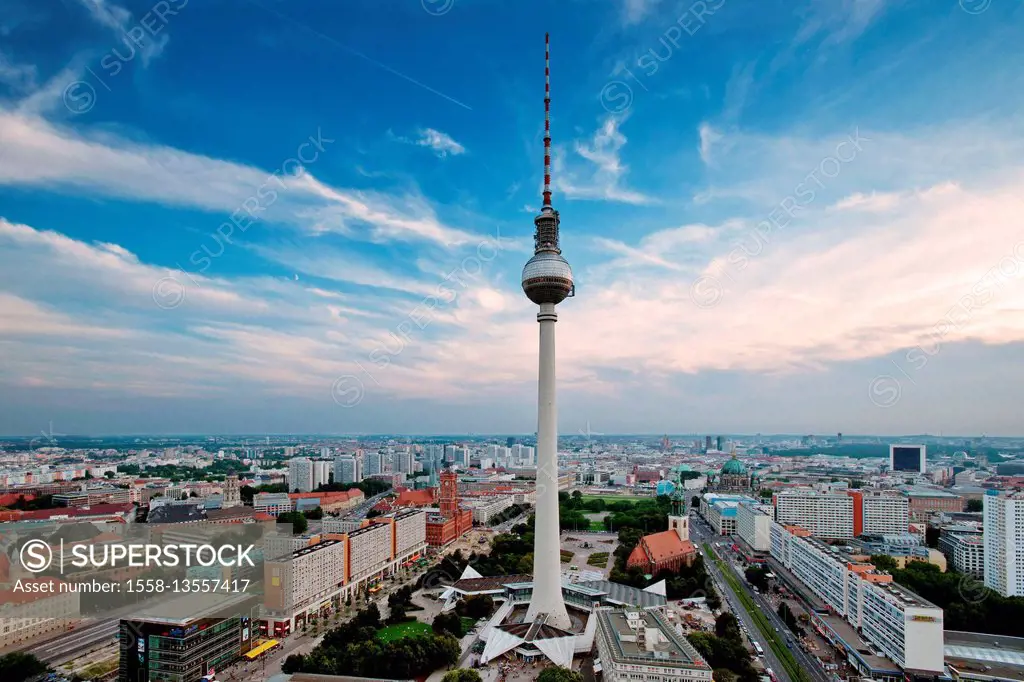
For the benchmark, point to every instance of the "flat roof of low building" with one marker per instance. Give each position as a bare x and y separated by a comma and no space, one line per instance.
189,608
669,649
994,656
625,594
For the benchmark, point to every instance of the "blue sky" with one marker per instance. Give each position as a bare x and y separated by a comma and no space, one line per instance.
311,216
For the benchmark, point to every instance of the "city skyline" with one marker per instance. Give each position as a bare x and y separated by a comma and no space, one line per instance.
378,290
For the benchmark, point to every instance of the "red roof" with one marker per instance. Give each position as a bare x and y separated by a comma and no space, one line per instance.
94,510
331,497
8,499
637,557
415,498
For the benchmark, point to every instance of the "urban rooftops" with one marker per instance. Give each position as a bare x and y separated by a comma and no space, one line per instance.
646,638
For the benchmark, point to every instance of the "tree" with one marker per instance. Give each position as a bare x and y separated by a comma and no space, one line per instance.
109,474
475,607
758,577
559,674
293,664
462,675
727,627
449,622
884,562
975,505
695,502
18,666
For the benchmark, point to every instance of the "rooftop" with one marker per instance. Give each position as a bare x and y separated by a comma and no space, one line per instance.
992,655
189,608
645,637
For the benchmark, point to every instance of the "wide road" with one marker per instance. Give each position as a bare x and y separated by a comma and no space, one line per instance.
732,602
808,663
75,642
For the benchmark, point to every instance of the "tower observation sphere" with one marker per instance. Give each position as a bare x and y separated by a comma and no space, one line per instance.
547,278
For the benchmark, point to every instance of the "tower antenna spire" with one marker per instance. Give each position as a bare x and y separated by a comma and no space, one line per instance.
547,123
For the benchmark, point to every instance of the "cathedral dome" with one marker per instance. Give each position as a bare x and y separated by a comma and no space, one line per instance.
734,467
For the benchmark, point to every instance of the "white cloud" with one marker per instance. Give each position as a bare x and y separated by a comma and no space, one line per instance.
600,175
39,154
120,21
634,11
17,76
840,22
441,143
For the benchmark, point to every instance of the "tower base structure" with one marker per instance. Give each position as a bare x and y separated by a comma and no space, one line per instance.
547,603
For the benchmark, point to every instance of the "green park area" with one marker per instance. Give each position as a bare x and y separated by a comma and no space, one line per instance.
402,630
796,673
615,498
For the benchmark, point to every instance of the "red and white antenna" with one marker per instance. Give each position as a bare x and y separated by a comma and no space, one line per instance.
547,122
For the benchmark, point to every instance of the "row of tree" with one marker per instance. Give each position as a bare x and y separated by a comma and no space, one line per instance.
725,651
967,603
507,514
353,649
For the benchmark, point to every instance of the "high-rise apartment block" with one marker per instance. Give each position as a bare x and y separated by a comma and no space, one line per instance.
404,461
964,549
1003,523
523,455
879,512
372,464
900,624
300,474
754,525
318,572
321,472
433,458
348,469
825,515
844,515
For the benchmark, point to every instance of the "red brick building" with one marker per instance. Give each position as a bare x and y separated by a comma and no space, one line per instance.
924,502
669,550
453,521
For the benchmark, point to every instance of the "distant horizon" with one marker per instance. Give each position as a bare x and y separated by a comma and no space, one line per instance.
584,436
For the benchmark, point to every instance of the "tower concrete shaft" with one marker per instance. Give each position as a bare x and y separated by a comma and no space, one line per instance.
547,561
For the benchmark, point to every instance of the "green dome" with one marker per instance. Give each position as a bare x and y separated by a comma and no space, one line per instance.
734,467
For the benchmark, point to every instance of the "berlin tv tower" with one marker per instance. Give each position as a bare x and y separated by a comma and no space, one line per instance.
547,281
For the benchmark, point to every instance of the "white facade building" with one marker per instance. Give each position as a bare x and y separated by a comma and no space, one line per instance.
410,532
402,461
27,615
369,551
348,469
965,552
754,525
899,623
372,464
826,515
885,513
523,455
303,581
644,645
1003,524
485,508
321,472
300,475
272,503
